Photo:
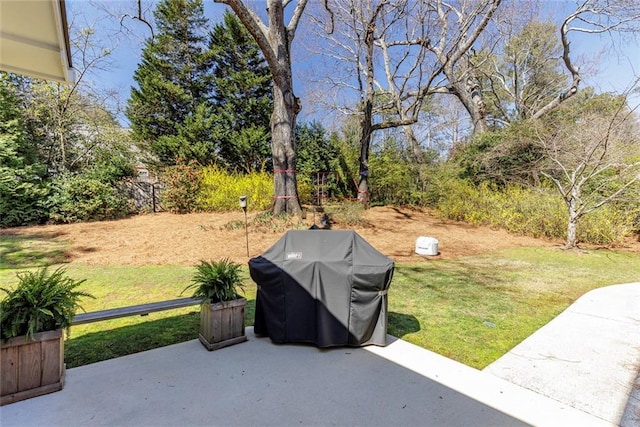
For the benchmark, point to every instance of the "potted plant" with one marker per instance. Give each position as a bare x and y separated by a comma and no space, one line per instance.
216,283
32,317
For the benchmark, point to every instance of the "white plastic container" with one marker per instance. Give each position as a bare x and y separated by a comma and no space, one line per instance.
426,246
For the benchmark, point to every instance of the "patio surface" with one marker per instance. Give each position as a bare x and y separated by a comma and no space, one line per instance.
259,383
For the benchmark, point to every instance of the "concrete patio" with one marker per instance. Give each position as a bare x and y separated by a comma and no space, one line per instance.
259,383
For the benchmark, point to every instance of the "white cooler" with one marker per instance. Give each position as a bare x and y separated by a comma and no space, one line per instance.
426,246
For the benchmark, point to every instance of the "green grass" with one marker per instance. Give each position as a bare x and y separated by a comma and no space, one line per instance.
117,286
114,338
19,251
476,309
472,310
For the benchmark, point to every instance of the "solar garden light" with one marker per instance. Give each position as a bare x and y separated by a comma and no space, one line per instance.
243,205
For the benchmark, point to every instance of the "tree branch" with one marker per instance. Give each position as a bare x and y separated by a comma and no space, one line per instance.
138,17
575,73
297,14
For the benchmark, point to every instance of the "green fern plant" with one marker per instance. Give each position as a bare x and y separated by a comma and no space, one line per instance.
216,281
40,302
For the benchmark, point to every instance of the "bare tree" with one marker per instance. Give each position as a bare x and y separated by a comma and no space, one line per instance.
526,74
591,17
59,115
537,69
139,16
274,39
459,25
377,50
594,160
398,52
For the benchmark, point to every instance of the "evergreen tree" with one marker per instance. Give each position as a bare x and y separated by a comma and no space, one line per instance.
22,188
242,96
316,153
170,109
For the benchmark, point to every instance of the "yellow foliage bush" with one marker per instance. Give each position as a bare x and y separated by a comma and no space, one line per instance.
606,225
220,190
534,212
305,189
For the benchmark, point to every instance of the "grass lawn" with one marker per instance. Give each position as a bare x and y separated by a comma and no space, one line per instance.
472,310
476,309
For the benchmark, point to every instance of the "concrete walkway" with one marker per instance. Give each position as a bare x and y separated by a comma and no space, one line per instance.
259,383
588,357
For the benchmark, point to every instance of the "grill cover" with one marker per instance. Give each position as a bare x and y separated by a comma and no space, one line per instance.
326,287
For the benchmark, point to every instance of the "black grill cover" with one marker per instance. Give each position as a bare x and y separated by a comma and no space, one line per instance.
327,287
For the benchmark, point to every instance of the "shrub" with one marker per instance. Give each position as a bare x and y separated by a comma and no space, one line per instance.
77,198
398,180
392,179
607,225
220,190
305,189
181,184
23,191
535,212
22,198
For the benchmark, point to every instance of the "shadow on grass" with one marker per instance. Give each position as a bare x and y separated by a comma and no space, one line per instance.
400,324
31,250
121,341
111,343
117,342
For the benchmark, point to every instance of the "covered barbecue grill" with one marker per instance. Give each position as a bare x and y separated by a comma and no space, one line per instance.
326,287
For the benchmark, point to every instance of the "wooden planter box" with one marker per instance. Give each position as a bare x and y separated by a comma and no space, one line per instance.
222,324
31,367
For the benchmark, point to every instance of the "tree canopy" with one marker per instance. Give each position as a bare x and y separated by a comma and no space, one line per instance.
242,97
170,109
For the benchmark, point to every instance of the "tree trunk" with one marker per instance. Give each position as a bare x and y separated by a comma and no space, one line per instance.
275,43
367,115
572,240
365,142
283,121
414,145
457,65
470,96
572,225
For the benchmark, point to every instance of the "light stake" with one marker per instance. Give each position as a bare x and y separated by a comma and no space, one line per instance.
243,205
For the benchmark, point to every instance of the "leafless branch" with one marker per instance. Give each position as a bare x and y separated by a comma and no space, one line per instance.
139,17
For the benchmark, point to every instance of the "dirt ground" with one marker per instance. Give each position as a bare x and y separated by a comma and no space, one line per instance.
165,238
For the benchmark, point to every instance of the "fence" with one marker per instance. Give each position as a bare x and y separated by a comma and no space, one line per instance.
146,195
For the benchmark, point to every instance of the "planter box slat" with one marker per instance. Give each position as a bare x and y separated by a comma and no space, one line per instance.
34,392
31,367
238,321
40,336
53,356
222,324
227,323
9,369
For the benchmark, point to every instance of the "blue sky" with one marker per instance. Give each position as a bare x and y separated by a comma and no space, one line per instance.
616,68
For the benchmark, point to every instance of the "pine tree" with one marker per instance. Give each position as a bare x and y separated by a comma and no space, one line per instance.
170,109
242,96
22,186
